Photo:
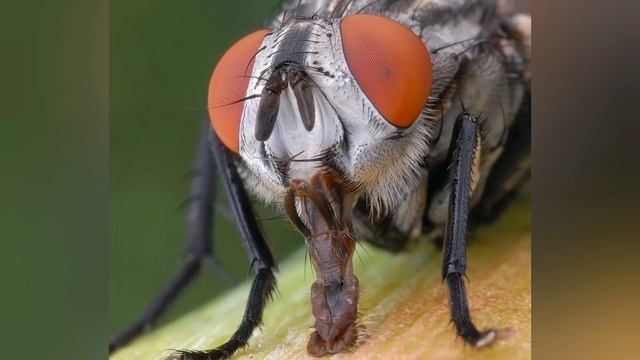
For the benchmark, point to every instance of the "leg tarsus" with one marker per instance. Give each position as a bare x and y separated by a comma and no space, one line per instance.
460,314
264,285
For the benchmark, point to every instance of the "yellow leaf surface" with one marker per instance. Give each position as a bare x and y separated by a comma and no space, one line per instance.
403,304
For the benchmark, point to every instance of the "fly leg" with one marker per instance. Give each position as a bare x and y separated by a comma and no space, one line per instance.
260,256
198,249
462,153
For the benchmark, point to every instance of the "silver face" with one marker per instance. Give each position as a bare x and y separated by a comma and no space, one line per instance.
350,135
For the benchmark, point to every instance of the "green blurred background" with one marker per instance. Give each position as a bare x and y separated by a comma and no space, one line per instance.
162,54
54,131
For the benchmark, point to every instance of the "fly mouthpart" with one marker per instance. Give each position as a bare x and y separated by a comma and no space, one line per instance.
322,208
318,199
323,195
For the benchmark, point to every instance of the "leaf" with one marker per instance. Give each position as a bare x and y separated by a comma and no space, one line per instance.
403,304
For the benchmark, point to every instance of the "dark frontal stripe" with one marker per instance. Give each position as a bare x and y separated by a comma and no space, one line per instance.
293,46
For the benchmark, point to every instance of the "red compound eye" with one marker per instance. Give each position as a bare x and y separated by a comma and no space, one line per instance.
228,86
391,65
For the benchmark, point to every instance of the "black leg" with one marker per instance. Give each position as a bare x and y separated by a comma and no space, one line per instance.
463,150
260,256
200,227
263,287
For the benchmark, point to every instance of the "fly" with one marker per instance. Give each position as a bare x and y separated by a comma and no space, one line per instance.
360,120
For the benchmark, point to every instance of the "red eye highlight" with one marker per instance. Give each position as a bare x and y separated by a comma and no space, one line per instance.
228,85
390,63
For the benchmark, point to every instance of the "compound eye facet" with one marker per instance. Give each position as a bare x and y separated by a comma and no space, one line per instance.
228,87
390,63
